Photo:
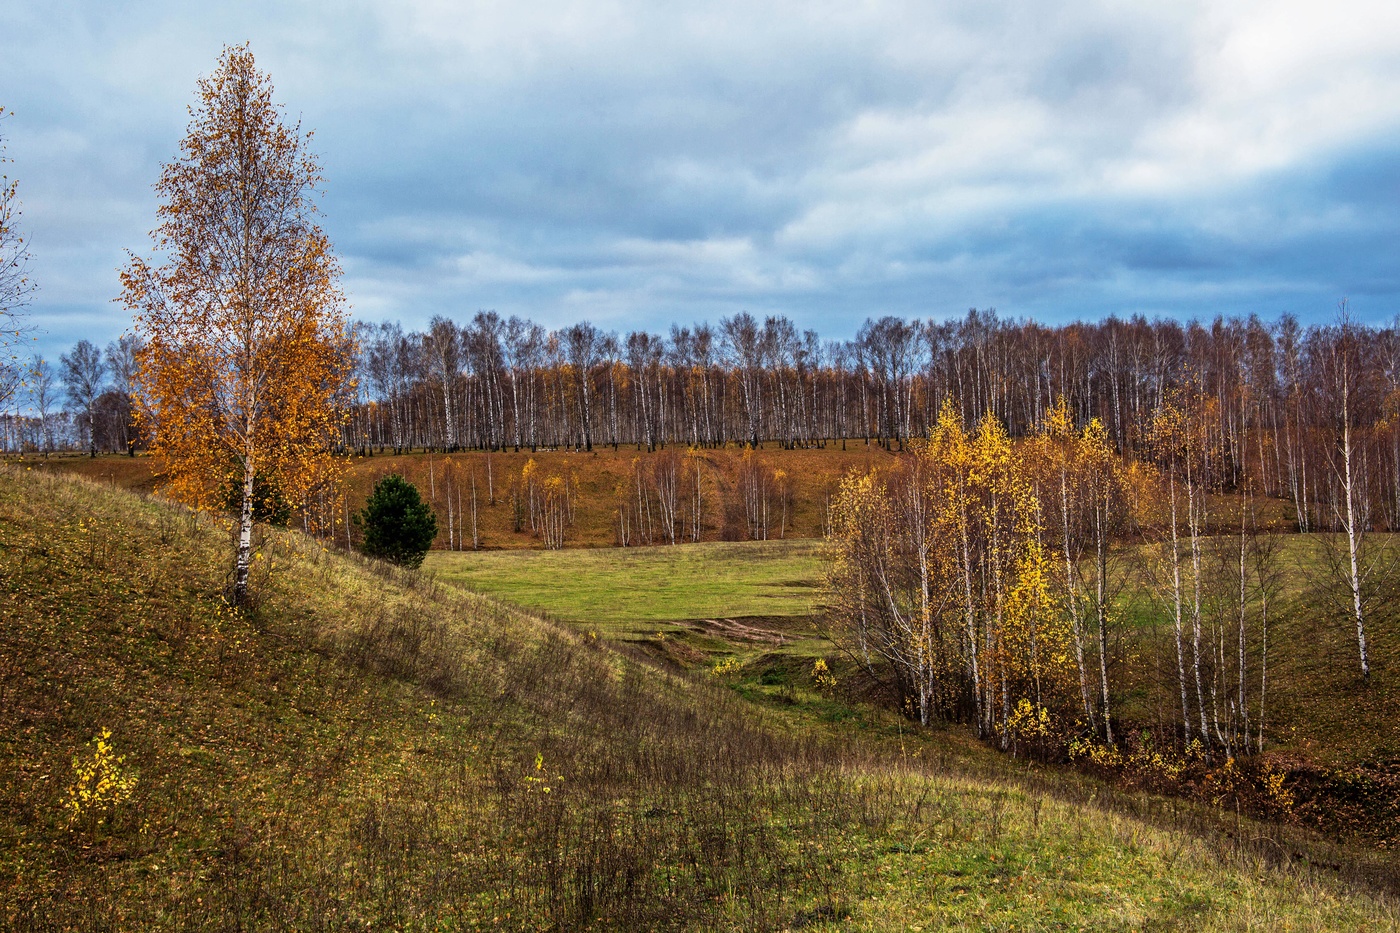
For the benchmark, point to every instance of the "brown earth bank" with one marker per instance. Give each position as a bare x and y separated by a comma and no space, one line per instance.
744,494
608,497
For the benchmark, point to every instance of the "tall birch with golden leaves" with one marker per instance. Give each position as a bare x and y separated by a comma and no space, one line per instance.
240,309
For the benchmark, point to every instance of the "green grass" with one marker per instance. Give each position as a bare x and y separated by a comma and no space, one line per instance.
366,750
646,585
1339,740
686,605
1319,708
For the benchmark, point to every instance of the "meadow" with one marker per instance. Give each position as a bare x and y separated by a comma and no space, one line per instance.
367,748
602,587
756,606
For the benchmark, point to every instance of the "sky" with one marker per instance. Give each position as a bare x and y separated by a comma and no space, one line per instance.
639,164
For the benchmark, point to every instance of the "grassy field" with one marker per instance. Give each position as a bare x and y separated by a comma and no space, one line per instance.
646,585
368,750
690,606
756,603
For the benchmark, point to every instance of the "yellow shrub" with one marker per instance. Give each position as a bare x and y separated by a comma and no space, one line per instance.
1105,756
1029,721
1279,796
100,783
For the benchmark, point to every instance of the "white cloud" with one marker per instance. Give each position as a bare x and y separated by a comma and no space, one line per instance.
799,155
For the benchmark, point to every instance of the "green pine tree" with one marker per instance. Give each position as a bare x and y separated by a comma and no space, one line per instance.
398,525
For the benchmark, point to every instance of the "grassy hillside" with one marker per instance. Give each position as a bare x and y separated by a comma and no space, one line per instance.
1336,738
1335,734
1318,701
365,750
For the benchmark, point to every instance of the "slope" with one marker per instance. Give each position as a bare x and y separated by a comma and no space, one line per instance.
363,750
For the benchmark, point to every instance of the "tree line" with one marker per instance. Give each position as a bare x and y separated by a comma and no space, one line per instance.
1274,392
87,402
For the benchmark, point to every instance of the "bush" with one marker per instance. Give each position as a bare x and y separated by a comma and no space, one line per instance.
398,525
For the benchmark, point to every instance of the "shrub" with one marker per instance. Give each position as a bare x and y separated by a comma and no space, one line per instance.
100,783
729,665
1031,727
398,525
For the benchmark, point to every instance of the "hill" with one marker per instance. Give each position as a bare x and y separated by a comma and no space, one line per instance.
364,749
763,494
793,485
1332,739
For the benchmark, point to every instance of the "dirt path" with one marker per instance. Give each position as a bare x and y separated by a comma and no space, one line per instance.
732,628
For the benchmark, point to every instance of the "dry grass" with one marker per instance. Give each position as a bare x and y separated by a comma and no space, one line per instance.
367,750
596,476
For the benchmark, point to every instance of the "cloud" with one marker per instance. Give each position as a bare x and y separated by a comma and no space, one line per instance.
637,163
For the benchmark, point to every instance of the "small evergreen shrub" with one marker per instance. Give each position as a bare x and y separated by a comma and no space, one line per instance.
397,524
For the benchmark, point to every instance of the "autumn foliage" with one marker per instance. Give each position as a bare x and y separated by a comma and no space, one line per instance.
957,572
243,320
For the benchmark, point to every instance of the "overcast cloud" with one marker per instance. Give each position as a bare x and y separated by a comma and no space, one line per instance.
637,164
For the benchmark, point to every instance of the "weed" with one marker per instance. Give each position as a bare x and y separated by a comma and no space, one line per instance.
726,666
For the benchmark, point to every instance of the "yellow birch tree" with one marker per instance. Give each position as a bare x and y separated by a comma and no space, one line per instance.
240,311
938,576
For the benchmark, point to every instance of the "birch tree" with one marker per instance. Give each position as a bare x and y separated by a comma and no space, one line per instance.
41,383
1348,394
940,577
15,285
82,371
245,352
